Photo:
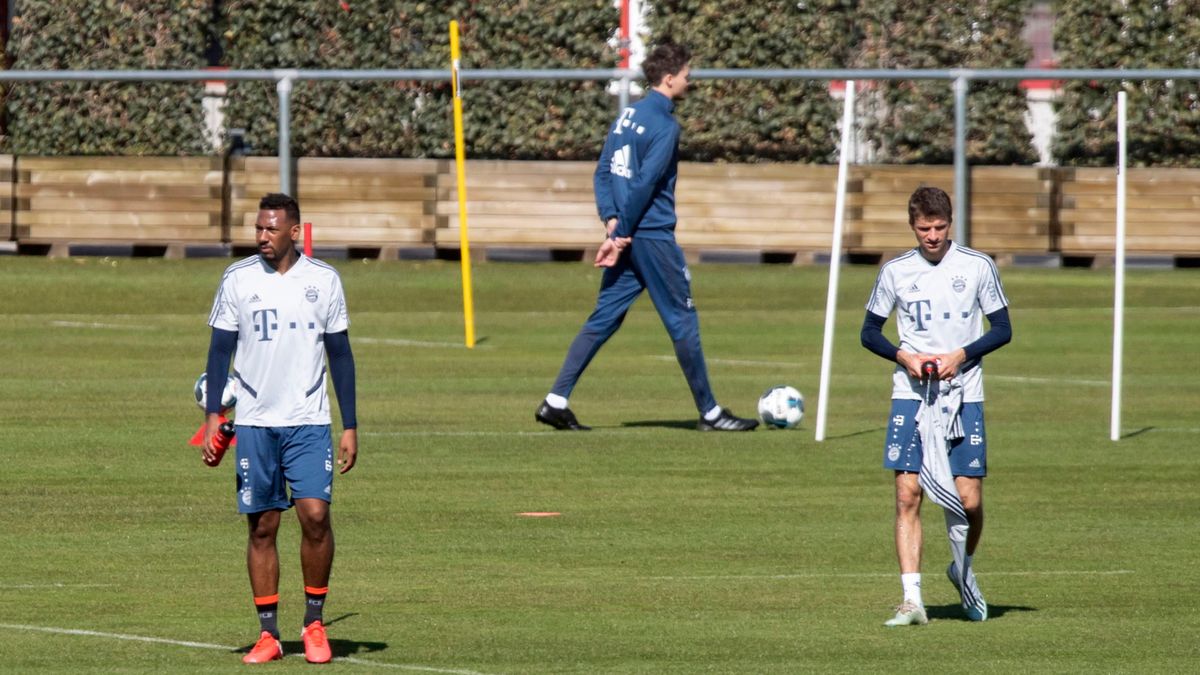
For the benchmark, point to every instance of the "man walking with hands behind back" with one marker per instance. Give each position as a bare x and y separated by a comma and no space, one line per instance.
936,443
635,195
283,313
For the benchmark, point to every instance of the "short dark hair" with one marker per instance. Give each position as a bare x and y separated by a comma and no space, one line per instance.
667,58
277,201
929,202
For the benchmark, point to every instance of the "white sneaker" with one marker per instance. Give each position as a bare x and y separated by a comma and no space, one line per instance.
975,611
908,614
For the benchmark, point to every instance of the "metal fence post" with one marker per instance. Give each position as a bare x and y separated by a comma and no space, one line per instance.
284,88
962,218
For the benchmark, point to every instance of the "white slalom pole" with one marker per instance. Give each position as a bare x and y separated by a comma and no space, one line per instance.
1119,284
835,257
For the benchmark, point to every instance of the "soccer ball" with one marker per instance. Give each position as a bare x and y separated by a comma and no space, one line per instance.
228,397
781,407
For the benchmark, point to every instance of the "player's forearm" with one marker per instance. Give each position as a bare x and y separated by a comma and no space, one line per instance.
999,334
644,186
606,203
873,339
341,369
220,352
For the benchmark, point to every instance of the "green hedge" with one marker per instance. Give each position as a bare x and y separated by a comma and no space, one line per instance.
913,122
544,120
403,119
1164,117
108,118
772,120
724,121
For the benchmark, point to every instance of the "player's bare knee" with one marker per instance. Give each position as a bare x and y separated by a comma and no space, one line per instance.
907,504
908,493
263,527
972,504
262,537
970,492
315,525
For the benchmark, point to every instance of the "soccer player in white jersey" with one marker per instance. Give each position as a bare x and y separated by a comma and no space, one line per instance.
940,292
283,313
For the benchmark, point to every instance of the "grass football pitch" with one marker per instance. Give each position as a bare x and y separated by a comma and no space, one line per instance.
675,551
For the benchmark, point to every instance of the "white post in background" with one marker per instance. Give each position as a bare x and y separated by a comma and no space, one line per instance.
630,44
835,257
623,40
284,88
1119,283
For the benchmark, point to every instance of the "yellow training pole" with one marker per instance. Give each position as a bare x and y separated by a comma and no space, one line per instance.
461,168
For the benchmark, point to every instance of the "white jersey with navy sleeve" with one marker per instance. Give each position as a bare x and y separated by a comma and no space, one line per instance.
939,308
281,321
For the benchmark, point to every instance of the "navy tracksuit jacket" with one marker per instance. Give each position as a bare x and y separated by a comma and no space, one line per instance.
635,183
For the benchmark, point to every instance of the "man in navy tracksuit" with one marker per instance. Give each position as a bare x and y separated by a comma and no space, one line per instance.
635,195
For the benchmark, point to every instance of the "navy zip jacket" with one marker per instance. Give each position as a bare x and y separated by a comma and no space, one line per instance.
635,177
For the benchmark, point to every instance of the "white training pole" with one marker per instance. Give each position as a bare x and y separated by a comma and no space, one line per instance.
835,257
1119,284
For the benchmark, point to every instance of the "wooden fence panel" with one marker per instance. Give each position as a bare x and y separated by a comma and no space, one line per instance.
770,207
7,229
396,203
138,200
520,204
1161,215
1011,207
350,202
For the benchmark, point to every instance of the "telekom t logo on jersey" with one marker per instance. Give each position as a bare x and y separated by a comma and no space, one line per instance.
264,323
625,121
920,312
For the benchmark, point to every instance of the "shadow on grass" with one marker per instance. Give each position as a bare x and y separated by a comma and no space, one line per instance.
1139,432
666,424
955,612
852,434
339,647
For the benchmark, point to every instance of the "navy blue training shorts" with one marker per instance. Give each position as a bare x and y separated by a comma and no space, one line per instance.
272,459
902,446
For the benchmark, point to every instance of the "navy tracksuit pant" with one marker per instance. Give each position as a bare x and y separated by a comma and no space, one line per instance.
657,266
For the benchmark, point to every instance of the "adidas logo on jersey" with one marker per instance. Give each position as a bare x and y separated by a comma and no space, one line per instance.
255,298
619,166
974,463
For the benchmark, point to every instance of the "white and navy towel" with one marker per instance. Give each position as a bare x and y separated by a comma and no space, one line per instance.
939,421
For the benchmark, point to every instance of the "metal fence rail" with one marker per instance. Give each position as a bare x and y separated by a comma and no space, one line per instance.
960,79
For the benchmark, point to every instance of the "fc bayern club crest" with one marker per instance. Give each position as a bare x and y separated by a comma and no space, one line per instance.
310,294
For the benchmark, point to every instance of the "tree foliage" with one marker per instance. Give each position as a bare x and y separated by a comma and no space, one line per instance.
728,120
108,118
913,122
759,120
1164,116
552,120
338,118
541,119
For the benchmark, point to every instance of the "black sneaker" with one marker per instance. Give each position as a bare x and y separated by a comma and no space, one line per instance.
562,419
727,421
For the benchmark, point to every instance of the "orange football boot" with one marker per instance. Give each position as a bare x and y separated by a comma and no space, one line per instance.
266,649
316,645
